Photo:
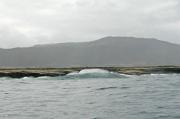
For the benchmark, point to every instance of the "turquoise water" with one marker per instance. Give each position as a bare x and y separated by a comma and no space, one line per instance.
85,96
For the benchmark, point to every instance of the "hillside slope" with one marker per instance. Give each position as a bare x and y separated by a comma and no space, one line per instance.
108,51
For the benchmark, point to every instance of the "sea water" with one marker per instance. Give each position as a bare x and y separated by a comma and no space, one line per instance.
91,95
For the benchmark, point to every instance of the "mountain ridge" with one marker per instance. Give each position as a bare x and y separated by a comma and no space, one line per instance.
104,38
107,51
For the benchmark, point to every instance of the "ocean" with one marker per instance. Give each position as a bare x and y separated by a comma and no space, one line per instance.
91,94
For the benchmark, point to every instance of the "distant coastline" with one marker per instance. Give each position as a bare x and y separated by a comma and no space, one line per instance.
104,52
54,72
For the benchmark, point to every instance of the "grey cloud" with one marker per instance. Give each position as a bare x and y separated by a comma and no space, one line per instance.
7,36
51,21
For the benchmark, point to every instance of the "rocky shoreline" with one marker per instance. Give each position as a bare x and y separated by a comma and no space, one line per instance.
53,72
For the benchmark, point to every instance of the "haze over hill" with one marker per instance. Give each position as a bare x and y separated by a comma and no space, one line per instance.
108,51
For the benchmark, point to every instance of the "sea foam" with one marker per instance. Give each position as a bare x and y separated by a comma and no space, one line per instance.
94,73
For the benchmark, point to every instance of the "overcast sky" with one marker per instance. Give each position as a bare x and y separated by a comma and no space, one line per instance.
29,22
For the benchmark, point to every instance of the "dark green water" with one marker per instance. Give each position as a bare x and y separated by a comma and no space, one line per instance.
135,97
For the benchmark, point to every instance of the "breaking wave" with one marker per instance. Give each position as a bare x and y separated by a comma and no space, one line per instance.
83,74
94,73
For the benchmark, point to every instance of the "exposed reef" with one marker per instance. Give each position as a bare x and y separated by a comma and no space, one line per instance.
53,72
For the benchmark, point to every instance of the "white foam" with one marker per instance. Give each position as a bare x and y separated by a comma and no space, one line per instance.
158,74
95,73
26,78
89,71
73,73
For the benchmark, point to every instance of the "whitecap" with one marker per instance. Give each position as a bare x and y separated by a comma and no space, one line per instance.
87,71
94,73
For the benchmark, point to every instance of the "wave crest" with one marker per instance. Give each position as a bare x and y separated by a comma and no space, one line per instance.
94,73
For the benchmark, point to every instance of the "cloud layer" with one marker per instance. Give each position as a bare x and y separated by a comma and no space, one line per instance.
29,22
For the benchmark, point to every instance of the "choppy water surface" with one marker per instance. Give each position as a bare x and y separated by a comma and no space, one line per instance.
80,96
